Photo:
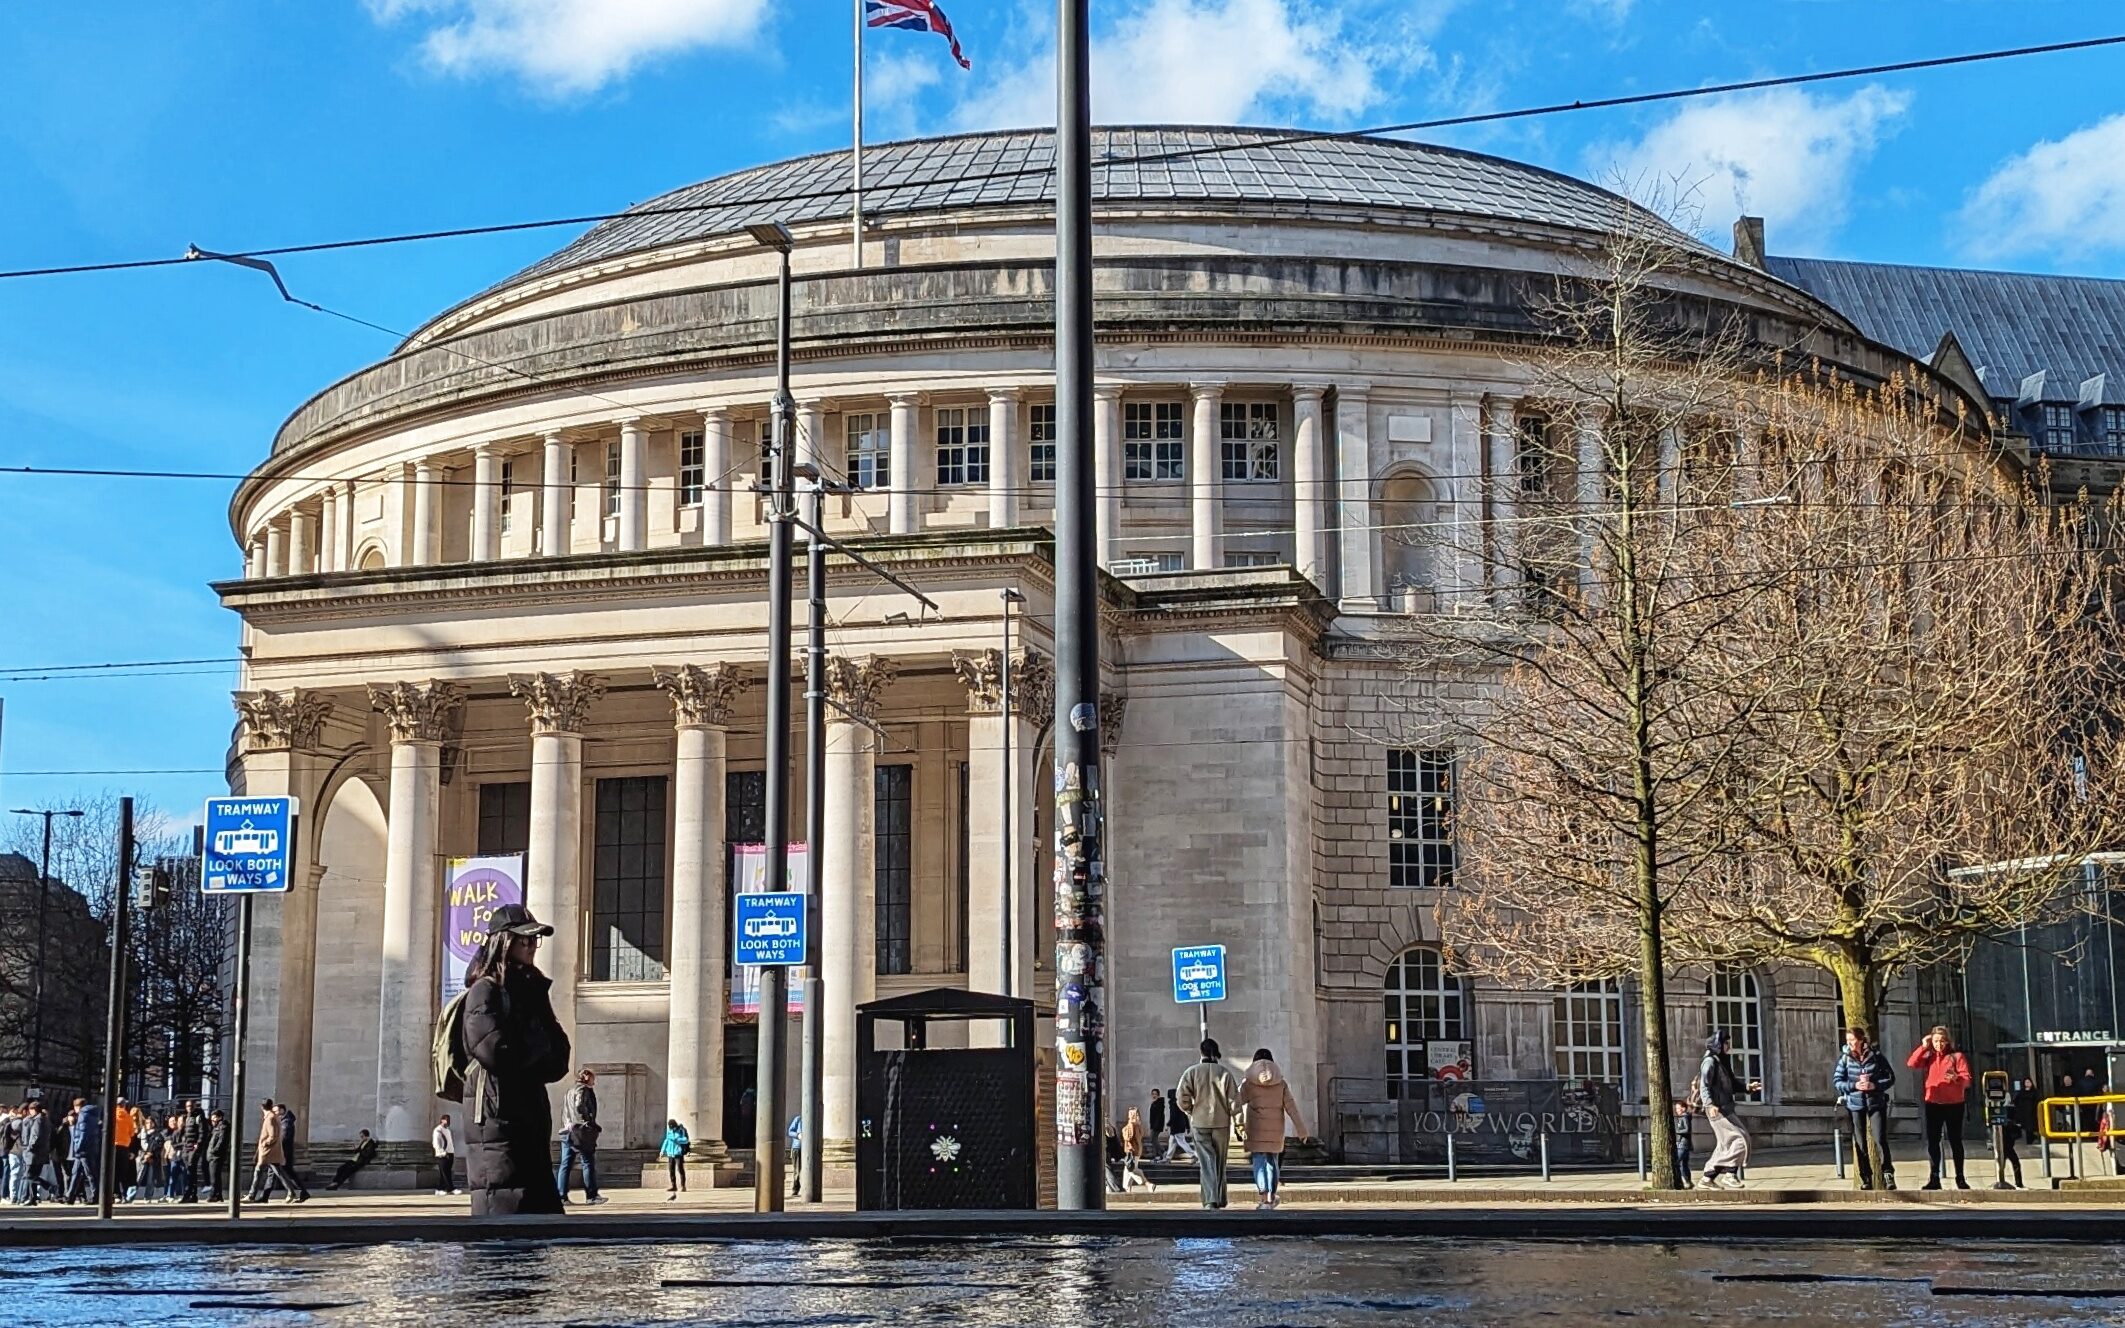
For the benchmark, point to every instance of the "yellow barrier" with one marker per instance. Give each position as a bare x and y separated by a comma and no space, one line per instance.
2045,1108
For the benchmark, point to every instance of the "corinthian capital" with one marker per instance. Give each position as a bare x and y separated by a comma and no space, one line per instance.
1112,705
558,702
417,711
853,685
280,721
700,694
1032,681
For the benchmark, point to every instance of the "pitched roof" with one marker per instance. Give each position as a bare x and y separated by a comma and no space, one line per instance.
2009,324
1158,163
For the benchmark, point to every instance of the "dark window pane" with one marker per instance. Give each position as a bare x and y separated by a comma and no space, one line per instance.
505,818
893,855
627,881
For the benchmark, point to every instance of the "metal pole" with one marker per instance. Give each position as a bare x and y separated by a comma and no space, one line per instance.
1004,845
809,1162
1202,1020
1837,1150
1543,1140
1638,1138
114,1010
1081,882
44,894
242,1022
1450,1171
856,176
768,1121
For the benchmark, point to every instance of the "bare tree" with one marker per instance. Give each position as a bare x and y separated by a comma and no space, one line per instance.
1934,740
1589,793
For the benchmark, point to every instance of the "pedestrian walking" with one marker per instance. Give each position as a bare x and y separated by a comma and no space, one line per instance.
514,1048
148,1158
1179,1143
190,1149
286,1115
1862,1079
218,1148
271,1167
1158,1118
673,1151
364,1154
2002,1117
443,1140
85,1147
1685,1110
579,1139
793,1137
1210,1097
37,1144
123,1161
1944,1090
1133,1149
1265,1104
10,1145
1719,1088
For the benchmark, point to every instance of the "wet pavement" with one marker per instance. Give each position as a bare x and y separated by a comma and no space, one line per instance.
1320,1283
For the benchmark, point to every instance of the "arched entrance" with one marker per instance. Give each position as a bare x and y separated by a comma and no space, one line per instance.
350,913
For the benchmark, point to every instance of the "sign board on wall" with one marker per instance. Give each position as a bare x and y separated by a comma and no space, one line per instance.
748,875
247,846
473,889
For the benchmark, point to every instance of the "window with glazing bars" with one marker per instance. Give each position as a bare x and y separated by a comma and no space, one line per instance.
1588,1031
1040,435
1733,1004
1247,439
744,822
627,881
612,479
893,859
2114,429
1154,440
1531,453
693,468
962,446
505,819
1424,1003
1165,560
2058,428
1420,817
870,439
1252,558
508,490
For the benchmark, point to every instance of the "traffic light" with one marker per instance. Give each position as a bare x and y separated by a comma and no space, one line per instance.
151,885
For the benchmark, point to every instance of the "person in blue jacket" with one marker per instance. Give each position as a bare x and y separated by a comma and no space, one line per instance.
1863,1079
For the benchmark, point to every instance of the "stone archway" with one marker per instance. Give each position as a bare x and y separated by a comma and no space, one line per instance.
350,910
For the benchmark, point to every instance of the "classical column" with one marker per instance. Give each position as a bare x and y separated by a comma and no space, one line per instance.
1504,495
848,895
1106,468
553,860
715,477
1464,580
1354,497
907,475
254,565
993,965
486,503
1309,485
634,485
1004,475
280,736
424,551
276,549
328,526
302,542
553,496
810,444
693,1076
420,717
343,556
1205,483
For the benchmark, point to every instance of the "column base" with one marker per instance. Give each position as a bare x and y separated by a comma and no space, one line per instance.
837,1152
712,1152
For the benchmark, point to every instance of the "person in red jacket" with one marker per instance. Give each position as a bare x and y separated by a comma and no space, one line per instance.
1947,1074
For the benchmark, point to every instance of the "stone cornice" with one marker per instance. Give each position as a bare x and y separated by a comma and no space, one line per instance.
700,694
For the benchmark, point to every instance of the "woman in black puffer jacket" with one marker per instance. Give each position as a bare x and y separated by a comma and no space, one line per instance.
516,1047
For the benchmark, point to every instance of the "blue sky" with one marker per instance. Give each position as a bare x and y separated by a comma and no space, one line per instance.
134,129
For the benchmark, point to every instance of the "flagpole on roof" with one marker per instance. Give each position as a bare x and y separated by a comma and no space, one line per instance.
856,154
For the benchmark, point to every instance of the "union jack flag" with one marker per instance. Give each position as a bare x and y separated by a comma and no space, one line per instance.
915,16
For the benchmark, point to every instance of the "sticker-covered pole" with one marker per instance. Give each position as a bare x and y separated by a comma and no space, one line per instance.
241,1021
1080,871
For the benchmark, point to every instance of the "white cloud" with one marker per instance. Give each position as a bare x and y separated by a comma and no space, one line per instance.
2063,197
560,47
1780,154
1205,62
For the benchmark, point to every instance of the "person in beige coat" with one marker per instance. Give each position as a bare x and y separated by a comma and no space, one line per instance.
272,1165
1266,1101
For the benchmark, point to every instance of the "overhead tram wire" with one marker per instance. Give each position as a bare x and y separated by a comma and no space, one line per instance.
1108,163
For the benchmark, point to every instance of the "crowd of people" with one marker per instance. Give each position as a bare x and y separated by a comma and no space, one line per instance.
155,1158
1210,1110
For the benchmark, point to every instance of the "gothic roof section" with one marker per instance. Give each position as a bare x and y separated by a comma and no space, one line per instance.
2010,325
1157,164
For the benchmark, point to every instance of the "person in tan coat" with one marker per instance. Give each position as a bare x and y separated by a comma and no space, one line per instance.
272,1165
1266,1101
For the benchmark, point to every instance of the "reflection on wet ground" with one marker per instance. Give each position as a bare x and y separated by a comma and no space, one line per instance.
1253,1283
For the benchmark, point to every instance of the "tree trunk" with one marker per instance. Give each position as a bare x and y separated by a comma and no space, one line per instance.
1653,1019
1857,987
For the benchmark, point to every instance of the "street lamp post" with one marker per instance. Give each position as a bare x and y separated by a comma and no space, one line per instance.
767,1089
812,1092
1011,596
44,894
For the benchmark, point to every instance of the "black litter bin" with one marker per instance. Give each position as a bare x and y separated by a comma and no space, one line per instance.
944,1127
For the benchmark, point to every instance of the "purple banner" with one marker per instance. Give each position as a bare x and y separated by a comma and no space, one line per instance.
473,890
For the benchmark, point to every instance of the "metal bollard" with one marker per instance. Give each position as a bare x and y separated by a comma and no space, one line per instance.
1837,1150
1640,1140
2043,1141
1543,1141
1450,1156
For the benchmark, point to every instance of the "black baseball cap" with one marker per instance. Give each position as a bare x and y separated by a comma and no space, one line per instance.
517,921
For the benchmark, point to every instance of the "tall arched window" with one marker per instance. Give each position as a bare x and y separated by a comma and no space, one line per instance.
1588,1031
1424,1007
1734,1004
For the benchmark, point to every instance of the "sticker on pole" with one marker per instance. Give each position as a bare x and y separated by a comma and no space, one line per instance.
248,846
1199,974
770,931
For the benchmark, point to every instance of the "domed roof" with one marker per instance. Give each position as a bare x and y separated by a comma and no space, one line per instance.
1155,164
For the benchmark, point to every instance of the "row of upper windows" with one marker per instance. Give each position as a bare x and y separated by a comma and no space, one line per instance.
2059,428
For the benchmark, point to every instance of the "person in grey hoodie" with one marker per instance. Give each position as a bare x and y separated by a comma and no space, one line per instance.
1718,1087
